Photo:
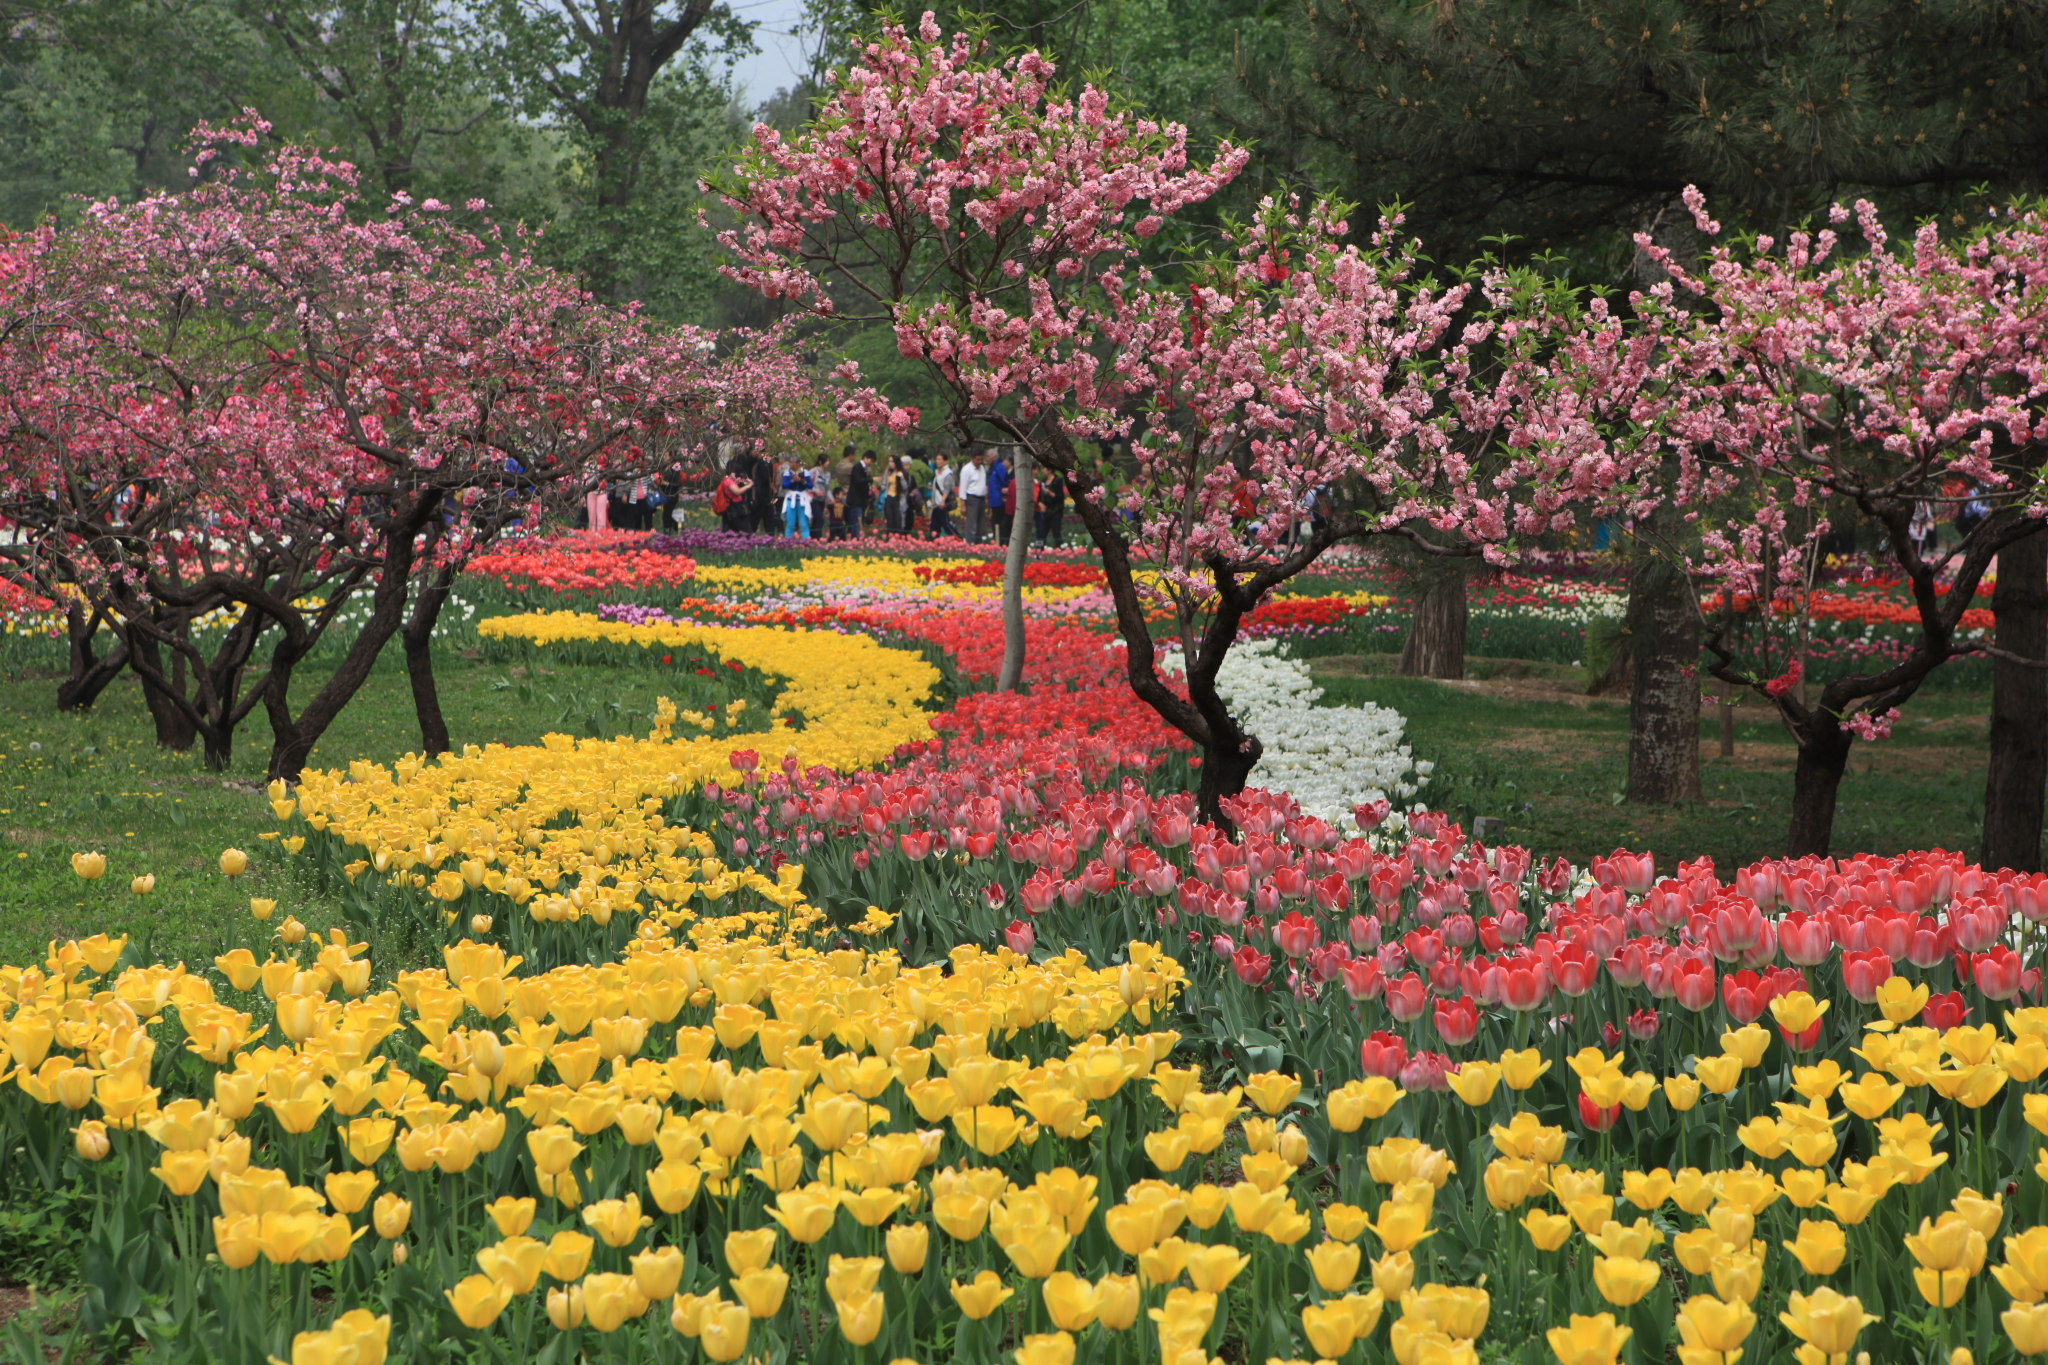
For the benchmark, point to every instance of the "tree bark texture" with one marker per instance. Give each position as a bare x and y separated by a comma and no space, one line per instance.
1816,783
91,673
2019,708
293,737
174,729
1663,642
1435,647
418,638
1013,573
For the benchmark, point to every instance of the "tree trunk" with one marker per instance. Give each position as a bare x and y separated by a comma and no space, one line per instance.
174,729
1225,771
293,737
1013,574
1664,684
2019,708
1816,782
1436,631
418,638
90,674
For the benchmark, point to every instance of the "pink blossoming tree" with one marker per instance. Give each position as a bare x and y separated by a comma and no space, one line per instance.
232,412
1865,378
1220,422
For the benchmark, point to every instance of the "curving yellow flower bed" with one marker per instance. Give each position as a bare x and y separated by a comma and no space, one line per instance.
492,816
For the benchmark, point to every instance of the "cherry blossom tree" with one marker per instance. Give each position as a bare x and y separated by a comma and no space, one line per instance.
230,412
1220,421
1830,378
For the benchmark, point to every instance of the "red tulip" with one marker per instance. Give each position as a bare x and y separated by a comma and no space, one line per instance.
1020,937
1692,984
1997,972
1524,981
1406,997
1863,972
1296,935
1361,978
1595,1118
1746,996
1805,939
1642,1025
1457,1021
1383,1055
1573,968
1251,965
1944,1012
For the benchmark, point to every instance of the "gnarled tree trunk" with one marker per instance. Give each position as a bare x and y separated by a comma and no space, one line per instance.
90,673
418,638
2019,708
1816,783
1663,642
1436,631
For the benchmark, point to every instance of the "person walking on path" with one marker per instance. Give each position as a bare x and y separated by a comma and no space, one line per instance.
860,491
940,497
974,497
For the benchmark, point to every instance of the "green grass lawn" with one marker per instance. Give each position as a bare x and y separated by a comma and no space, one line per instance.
98,781
1523,743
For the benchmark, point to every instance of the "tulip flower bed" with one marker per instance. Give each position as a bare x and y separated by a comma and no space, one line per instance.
691,1127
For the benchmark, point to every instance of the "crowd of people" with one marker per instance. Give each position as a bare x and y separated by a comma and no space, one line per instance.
863,492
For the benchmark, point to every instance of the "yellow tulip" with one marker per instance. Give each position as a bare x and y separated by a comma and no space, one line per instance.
657,1271
348,1191
2026,1326
478,1300
1522,1069
90,866
1899,1000
1052,1348
568,1255
1737,1275
1547,1230
233,862
90,1141
1709,1324
1456,1311
1210,1269
512,1216
908,1246
806,1214
1622,1280
608,1301
391,1215
1272,1091
1168,1149
981,1296
1334,1264
1116,1302
761,1289
516,1261
617,1221
1475,1082
722,1331
1070,1301
1588,1341
1825,1320
1819,1247
1719,1074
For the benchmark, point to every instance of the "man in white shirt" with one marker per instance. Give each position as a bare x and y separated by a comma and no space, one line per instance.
940,497
974,496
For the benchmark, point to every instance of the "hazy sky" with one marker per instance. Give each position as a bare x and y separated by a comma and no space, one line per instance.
781,57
